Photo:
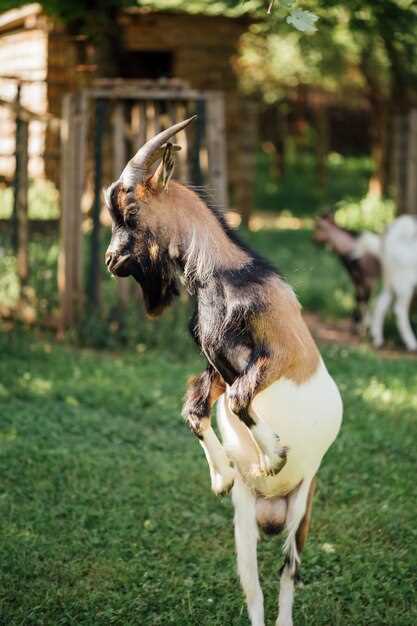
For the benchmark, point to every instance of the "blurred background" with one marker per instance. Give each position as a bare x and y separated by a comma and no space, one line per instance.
297,117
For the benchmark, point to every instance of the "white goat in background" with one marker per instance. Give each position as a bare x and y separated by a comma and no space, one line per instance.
398,255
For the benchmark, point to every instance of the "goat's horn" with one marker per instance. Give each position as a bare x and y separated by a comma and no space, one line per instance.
137,167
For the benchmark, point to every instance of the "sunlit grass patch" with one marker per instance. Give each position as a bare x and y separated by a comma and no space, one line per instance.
107,517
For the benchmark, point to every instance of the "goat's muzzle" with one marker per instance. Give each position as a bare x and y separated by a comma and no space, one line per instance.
117,264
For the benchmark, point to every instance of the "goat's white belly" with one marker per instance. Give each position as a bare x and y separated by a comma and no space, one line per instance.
306,418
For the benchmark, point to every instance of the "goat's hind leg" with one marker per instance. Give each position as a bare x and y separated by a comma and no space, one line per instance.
272,455
404,295
296,525
246,538
382,305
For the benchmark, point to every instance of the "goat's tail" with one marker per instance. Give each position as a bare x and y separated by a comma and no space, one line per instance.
367,243
271,514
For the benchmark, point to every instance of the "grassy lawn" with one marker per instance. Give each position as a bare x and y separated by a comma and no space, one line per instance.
105,508
107,517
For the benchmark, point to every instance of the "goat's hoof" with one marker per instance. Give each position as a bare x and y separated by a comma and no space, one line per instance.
272,465
221,484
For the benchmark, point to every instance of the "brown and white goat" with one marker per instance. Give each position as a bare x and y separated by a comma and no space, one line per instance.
278,408
364,269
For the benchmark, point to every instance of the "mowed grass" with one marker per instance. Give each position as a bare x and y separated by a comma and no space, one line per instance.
106,515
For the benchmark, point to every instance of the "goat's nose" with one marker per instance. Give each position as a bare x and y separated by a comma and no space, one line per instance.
108,257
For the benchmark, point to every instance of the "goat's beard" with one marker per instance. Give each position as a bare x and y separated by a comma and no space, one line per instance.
158,283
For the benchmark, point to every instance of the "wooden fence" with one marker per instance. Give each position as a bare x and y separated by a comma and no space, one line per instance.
114,118
22,117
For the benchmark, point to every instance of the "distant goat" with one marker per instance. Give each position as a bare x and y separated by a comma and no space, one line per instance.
279,410
398,254
363,268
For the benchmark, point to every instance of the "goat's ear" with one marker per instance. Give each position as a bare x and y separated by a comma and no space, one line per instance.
111,202
162,176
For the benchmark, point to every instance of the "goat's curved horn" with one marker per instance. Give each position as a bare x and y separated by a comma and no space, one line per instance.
137,167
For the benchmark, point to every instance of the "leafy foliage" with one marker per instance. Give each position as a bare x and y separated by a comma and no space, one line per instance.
354,40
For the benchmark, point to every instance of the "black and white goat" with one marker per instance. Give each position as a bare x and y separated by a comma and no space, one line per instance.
359,254
279,410
398,256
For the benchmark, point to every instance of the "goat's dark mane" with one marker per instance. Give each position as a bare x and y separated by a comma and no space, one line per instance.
258,269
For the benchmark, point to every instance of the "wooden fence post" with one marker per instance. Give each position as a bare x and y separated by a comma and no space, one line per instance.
216,147
119,161
21,202
95,262
73,130
198,128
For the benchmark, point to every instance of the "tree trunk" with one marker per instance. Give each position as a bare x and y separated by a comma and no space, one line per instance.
379,181
273,127
322,144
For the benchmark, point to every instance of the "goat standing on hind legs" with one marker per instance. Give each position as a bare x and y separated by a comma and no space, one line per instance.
278,408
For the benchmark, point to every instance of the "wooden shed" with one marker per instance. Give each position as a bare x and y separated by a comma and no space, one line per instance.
197,49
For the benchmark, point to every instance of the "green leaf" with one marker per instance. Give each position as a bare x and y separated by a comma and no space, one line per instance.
303,20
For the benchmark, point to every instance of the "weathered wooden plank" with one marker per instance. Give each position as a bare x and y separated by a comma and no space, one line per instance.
94,265
73,130
21,203
145,94
24,113
216,146
197,177
180,113
119,161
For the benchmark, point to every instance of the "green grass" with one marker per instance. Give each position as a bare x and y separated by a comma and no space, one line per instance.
107,517
43,200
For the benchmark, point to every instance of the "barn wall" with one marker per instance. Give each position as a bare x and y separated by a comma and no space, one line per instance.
23,53
203,50
203,56
62,77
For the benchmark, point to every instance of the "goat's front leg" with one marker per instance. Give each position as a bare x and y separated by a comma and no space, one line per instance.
272,455
202,393
297,523
360,314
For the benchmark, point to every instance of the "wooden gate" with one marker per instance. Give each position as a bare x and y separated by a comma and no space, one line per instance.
115,118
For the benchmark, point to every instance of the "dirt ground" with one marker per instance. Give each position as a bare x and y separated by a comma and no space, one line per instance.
340,332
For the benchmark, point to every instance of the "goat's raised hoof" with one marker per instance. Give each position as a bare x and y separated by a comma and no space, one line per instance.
272,465
222,483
